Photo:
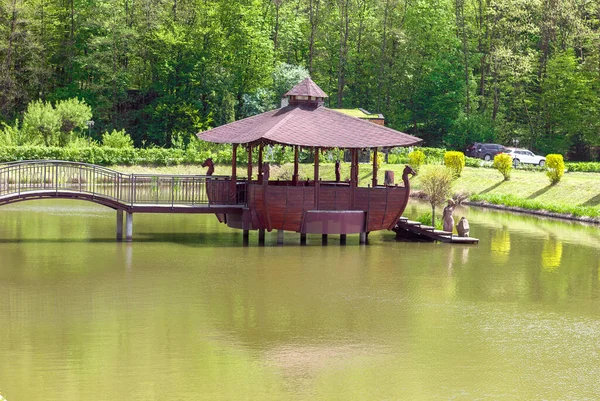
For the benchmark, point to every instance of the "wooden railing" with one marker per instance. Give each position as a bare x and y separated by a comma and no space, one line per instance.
62,177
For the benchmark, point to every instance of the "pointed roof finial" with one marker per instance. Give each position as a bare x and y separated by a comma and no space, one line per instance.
306,88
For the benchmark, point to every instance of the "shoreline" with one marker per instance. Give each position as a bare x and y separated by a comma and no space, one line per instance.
516,209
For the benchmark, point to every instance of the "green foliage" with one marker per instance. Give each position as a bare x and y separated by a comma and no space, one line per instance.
195,153
470,128
555,166
416,159
474,162
431,68
584,167
12,135
400,155
54,126
427,218
41,123
532,204
379,158
285,77
436,183
73,114
503,163
117,140
455,161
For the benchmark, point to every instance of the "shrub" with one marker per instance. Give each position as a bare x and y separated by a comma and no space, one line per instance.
397,159
73,114
41,121
583,167
436,183
416,159
474,162
117,140
455,161
426,219
54,126
503,163
379,158
556,167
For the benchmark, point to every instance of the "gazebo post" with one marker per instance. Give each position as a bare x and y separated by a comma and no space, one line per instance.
233,195
260,163
353,167
374,167
316,177
249,163
295,176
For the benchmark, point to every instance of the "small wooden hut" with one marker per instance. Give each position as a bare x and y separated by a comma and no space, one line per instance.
310,206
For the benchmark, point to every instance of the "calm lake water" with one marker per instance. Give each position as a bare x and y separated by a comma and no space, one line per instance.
186,313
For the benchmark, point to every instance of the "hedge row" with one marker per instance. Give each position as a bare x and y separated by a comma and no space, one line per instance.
106,156
584,167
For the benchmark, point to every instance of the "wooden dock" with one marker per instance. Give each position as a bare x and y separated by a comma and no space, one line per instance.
409,230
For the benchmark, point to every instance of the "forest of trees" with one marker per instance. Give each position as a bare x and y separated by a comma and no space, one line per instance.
449,71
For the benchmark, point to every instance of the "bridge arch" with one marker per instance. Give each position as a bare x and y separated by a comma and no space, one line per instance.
140,193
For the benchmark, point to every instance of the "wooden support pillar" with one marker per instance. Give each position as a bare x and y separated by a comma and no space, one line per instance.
354,167
295,175
249,163
260,163
245,237
233,187
279,237
363,237
302,238
119,225
129,227
342,239
356,179
374,181
316,177
353,175
261,237
323,239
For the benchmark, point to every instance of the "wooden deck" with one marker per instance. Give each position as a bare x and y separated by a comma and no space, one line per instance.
414,231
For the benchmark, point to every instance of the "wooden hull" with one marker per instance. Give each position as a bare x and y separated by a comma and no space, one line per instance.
277,207
325,209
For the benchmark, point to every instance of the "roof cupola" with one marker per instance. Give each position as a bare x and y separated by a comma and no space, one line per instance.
306,93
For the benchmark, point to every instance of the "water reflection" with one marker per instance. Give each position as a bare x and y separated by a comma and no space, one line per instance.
500,245
186,312
552,254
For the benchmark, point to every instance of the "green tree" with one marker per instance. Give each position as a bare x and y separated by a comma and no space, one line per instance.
435,182
42,123
73,114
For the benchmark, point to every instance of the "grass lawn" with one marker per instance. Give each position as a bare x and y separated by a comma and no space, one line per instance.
576,193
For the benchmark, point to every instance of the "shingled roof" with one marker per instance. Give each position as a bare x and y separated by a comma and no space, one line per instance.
306,88
307,125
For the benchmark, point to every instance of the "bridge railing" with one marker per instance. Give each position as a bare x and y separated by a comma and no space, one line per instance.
45,176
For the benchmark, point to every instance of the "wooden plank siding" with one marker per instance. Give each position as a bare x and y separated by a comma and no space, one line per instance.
285,206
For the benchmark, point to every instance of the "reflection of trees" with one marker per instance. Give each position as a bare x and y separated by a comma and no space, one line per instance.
500,245
552,254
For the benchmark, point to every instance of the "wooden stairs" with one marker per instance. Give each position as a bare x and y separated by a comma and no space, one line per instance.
409,230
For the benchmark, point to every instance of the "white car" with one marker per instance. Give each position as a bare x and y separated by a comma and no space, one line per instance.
524,156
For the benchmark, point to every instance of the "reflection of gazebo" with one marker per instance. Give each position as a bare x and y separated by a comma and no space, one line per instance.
312,206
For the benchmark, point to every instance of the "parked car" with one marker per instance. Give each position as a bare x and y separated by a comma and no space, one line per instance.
524,156
471,150
487,151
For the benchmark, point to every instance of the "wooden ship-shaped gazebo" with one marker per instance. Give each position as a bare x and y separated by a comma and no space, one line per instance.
309,206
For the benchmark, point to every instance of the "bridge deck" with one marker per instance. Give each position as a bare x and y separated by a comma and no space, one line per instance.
116,204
